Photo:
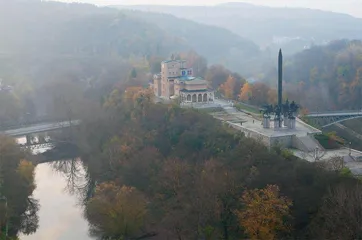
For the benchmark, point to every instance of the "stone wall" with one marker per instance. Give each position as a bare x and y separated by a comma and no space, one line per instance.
282,141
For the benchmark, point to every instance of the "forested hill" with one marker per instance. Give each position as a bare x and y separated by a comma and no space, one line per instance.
217,44
45,28
325,77
291,28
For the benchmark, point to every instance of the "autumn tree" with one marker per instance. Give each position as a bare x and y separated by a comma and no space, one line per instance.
16,186
264,213
194,61
117,212
260,93
217,75
246,92
228,87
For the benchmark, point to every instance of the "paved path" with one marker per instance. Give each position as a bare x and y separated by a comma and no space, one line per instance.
38,128
350,131
335,114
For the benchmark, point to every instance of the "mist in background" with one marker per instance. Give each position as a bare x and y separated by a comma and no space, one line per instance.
352,7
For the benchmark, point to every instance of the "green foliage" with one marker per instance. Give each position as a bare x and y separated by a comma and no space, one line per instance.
119,211
325,77
287,154
162,150
133,74
218,45
346,172
17,186
247,108
328,141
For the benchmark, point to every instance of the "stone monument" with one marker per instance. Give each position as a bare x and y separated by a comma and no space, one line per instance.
284,113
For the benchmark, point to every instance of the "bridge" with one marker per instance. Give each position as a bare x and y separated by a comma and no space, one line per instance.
38,128
326,119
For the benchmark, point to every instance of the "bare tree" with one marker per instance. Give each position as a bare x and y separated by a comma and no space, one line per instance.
340,216
335,163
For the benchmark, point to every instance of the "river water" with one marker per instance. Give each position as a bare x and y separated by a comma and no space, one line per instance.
60,214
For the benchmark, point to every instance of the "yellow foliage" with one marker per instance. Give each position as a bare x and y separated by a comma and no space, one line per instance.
117,211
264,212
246,92
228,87
26,171
131,93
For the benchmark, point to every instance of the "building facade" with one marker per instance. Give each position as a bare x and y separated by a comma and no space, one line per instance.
177,82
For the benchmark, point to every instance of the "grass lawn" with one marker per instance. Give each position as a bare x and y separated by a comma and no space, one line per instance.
329,141
247,108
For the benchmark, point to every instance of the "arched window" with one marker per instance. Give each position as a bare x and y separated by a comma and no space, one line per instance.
194,98
199,98
189,98
205,97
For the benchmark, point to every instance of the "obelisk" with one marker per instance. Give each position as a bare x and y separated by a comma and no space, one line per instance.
280,86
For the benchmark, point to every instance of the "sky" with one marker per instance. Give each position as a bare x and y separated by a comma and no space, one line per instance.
352,7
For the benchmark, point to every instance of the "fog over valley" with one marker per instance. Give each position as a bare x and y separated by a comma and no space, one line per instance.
186,120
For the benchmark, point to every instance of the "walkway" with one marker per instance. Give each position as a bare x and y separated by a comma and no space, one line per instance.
350,131
44,127
334,114
325,119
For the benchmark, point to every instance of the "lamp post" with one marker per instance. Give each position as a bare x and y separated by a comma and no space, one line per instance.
5,200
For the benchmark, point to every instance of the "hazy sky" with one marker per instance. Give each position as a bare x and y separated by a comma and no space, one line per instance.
353,7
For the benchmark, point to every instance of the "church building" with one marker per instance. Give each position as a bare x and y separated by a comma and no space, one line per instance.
177,81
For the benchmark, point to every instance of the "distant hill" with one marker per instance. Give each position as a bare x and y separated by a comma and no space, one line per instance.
217,44
290,28
53,28
325,77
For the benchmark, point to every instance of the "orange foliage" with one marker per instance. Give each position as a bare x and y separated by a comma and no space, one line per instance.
132,92
260,93
228,87
264,212
246,92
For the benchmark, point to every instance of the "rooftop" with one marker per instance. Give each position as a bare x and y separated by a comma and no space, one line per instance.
193,91
168,61
196,81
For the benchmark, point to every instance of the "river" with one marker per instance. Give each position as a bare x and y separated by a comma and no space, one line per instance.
60,214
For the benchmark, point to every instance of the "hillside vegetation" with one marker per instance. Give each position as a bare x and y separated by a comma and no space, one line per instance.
179,174
265,25
43,29
325,77
218,45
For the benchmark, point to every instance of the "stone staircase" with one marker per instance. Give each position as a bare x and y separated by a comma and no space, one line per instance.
306,143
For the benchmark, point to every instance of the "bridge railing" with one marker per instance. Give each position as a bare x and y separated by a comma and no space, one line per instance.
21,123
335,112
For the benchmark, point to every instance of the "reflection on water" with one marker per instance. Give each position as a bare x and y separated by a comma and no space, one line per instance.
59,190
60,215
